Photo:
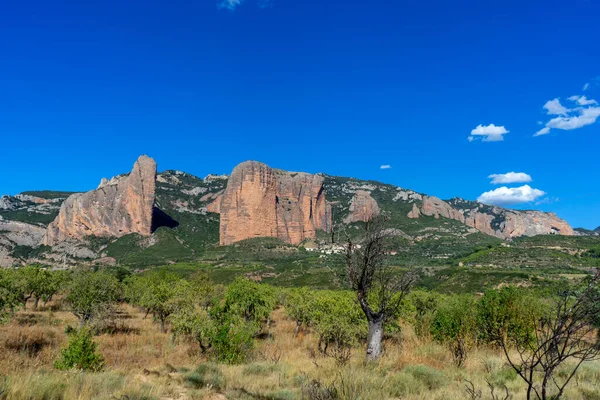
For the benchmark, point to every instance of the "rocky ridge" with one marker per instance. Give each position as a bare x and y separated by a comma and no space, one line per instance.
119,206
362,207
256,201
263,202
492,220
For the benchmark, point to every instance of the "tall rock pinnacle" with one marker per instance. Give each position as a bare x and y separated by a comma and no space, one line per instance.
262,202
118,207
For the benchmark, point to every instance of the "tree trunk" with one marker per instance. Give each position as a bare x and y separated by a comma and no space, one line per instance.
35,304
298,324
374,340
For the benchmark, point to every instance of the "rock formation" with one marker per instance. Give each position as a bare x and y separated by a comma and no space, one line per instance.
492,220
362,207
119,206
262,202
22,234
13,233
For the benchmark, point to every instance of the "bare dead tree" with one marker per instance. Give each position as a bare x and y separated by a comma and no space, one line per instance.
568,333
474,393
493,391
379,290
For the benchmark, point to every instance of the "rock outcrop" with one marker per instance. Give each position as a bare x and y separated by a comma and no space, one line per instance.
13,233
362,207
262,202
119,206
22,234
492,220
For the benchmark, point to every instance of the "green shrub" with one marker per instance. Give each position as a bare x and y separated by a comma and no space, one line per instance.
404,384
281,394
80,353
422,305
509,315
337,319
455,324
205,376
261,369
92,294
250,300
232,339
430,377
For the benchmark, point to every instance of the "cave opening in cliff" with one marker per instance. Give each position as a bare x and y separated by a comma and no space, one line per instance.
160,219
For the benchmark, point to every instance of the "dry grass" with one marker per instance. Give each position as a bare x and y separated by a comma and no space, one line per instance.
143,363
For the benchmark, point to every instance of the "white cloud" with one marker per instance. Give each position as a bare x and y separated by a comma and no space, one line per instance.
543,131
504,196
490,133
586,87
385,166
510,177
233,4
229,4
582,100
547,200
587,116
586,113
555,108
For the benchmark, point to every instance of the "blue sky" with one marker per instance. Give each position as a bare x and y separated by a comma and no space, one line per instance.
426,87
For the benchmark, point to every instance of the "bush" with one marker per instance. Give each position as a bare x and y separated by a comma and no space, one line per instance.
206,376
92,294
455,324
507,315
423,305
9,296
430,377
315,390
337,319
404,384
161,293
232,339
250,300
80,353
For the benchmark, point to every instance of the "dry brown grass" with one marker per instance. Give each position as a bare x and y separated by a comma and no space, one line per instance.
143,363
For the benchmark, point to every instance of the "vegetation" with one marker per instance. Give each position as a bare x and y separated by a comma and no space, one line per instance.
251,339
80,353
379,291
92,294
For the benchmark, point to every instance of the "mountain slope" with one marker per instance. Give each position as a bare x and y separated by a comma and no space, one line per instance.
185,222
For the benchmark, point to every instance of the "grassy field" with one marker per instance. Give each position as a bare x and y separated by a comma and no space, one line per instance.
143,363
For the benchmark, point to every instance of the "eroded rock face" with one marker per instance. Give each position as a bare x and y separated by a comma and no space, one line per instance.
262,202
22,234
492,220
362,207
119,206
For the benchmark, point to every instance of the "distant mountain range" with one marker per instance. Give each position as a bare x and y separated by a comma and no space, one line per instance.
145,218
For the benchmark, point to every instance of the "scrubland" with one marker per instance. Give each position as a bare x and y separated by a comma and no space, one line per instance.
141,362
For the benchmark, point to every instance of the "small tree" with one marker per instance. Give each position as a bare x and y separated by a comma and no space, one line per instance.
455,324
508,314
337,320
162,293
370,278
250,300
193,322
424,304
92,293
567,332
80,353
9,294
45,284
298,305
